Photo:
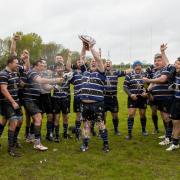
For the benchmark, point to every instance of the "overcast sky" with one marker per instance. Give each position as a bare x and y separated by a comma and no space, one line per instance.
128,29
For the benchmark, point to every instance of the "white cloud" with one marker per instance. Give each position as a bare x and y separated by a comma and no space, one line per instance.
128,29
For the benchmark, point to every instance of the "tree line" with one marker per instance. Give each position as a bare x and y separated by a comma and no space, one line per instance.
37,49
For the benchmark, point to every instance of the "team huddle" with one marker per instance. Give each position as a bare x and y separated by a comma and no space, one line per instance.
41,90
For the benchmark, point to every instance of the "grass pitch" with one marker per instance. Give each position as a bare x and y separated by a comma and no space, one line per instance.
140,158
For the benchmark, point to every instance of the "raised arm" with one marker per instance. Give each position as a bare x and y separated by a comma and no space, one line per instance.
163,48
68,63
83,54
97,57
26,59
14,40
82,58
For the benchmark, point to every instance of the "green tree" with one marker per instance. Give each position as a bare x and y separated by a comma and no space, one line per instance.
50,50
32,42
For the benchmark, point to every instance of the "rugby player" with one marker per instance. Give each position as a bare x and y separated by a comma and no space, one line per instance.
137,97
92,98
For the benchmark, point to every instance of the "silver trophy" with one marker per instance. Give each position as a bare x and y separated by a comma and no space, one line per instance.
87,40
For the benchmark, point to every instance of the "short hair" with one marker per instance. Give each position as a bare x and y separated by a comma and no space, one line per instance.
137,62
11,59
59,64
37,62
158,55
178,59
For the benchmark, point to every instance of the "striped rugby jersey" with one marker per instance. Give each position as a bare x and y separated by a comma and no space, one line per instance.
62,91
162,91
12,80
176,86
111,81
92,86
134,82
76,81
32,89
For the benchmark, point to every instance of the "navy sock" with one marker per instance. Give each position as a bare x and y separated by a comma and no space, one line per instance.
53,127
86,141
56,127
104,136
130,125
143,124
65,127
1,129
92,125
32,128
27,131
115,123
155,121
37,132
169,130
16,134
78,126
10,139
49,127
175,141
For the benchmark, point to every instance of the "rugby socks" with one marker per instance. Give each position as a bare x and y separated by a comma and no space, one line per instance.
37,132
32,128
1,129
115,123
53,126
130,125
92,128
86,142
78,126
143,124
155,121
27,131
49,128
104,136
56,127
16,134
10,139
175,141
104,120
169,130
65,127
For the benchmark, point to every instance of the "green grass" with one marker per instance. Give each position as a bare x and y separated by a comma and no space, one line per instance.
141,158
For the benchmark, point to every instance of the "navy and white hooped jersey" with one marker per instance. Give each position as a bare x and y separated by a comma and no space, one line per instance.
92,86
32,88
134,82
76,81
12,80
162,91
111,82
176,86
61,91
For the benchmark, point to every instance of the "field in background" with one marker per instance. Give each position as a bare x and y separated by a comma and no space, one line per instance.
141,158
